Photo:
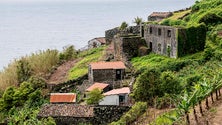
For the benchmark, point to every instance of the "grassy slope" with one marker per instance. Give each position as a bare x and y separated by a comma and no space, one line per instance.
178,15
81,67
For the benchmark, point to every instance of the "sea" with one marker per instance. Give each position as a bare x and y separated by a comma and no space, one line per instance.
28,26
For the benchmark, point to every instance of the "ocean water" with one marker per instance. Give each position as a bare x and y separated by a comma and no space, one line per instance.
28,26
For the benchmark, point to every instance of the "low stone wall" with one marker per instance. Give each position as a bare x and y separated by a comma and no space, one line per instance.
107,114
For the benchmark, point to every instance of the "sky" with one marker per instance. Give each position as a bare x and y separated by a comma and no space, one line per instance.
37,1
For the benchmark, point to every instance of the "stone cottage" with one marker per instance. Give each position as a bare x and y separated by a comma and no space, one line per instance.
106,72
71,114
96,42
173,41
116,97
158,16
62,98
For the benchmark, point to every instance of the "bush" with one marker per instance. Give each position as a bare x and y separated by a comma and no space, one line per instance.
68,53
210,19
137,110
94,96
24,71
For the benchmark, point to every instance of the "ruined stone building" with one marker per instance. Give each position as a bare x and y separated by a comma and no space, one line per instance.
158,16
106,72
173,41
126,47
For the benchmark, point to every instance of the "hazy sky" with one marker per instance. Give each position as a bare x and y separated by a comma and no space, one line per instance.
34,1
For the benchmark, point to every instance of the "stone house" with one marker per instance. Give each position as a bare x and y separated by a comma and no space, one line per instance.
106,72
173,41
116,97
96,42
62,98
72,114
101,86
158,16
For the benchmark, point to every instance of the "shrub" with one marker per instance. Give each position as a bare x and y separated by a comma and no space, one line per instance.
210,19
68,53
123,26
137,110
23,70
94,96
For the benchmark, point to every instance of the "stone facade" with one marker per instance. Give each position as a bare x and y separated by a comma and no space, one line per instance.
105,75
161,39
174,42
127,47
109,34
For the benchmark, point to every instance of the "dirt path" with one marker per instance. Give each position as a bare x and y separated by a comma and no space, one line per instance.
61,73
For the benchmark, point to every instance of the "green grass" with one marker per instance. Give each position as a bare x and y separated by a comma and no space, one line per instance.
178,15
81,67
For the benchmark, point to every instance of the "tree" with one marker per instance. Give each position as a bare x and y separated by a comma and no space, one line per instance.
94,96
68,53
123,26
138,20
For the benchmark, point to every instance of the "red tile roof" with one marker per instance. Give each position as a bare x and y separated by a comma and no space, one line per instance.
108,65
101,40
124,90
100,86
62,97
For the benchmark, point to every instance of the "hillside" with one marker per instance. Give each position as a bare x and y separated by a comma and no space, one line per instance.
166,90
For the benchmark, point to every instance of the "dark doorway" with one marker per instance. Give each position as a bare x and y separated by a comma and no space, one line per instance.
118,74
151,46
142,31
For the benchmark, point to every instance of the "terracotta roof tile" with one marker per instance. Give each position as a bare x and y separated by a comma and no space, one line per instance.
62,97
125,90
100,86
108,65
70,110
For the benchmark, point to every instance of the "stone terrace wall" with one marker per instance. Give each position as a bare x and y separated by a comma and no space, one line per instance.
107,114
109,34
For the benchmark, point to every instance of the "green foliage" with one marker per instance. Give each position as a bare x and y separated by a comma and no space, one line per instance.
138,20
137,110
191,40
94,96
23,70
68,53
166,118
210,19
37,82
81,67
123,26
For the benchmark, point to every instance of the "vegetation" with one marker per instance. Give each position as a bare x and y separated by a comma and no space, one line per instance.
68,53
123,26
137,109
138,20
94,96
88,56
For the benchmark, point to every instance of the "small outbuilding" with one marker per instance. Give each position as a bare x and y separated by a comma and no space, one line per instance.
96,42
116,97
62,98
106,72
158,16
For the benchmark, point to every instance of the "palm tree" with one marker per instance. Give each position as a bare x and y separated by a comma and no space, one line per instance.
123,26
138,20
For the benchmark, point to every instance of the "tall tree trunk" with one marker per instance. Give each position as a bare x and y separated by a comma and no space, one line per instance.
207,105
219,92
195,114
187,118
200,106
211,95
216,94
